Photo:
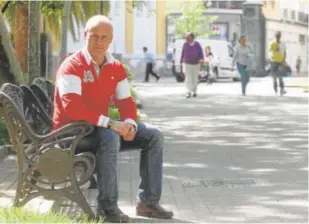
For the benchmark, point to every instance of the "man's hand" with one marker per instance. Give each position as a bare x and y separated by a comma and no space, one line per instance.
131,134
124,129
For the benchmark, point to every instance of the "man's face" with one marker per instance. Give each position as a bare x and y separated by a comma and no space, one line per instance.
98,39
278,36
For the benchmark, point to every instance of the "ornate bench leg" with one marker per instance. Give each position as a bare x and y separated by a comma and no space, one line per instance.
23,191
82,202
79,198
16,202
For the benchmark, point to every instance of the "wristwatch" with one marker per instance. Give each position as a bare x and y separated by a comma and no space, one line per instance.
109,124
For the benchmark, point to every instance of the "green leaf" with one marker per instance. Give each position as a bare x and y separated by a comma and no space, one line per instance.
193,20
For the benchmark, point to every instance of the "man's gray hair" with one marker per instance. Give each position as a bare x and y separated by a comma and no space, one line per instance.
96,20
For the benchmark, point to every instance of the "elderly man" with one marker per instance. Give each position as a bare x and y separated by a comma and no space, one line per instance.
85,83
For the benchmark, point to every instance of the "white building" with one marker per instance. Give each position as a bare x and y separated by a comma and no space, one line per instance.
292,21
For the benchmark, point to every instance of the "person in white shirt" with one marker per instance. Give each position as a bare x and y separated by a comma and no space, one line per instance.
148,58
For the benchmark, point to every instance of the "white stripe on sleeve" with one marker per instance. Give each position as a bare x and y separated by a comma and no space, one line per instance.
123,89
69,84
103,121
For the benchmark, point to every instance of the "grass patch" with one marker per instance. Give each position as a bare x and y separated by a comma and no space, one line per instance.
299,86
19,215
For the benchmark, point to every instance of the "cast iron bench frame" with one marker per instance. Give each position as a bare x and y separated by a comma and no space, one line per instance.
46,154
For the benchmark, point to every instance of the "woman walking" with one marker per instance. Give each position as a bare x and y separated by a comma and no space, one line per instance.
241,57
191,57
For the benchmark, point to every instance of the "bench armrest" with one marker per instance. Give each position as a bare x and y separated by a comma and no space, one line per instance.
74,131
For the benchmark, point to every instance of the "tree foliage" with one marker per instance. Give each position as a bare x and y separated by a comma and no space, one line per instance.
193,20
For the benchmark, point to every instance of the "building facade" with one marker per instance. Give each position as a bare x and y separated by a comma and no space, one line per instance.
292,21
135,28
151,26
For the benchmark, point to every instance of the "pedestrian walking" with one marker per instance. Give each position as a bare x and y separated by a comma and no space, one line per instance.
191,58
278,55
148,58
241,58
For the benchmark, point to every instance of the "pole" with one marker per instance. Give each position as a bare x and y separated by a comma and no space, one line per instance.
102,7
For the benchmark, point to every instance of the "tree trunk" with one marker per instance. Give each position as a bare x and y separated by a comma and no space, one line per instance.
102,7
9,52
21,36
65,27
34,68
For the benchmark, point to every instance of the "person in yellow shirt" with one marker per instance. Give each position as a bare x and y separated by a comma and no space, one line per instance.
278,54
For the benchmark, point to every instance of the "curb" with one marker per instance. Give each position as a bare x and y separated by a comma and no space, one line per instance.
304,88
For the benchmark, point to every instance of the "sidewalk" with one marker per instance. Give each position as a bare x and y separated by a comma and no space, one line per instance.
227,159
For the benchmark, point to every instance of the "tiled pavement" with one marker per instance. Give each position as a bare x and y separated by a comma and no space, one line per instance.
227,159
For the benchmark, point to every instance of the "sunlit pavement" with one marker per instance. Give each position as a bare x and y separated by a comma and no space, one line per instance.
227,159
230,158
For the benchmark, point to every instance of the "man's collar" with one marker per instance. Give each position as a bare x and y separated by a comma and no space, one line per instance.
109,58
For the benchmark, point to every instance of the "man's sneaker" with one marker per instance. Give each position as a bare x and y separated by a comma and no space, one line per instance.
194,95
188,95
158,78
113,215
153,211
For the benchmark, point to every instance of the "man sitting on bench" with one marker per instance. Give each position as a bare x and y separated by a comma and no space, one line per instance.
85,83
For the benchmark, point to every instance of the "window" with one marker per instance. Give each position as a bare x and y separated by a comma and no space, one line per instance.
231,51
293,15
285,13
302,39
139,11
117,8
214,4
249,12
223,4
236,4
303,17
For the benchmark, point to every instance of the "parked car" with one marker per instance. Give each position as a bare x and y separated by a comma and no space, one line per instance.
223,53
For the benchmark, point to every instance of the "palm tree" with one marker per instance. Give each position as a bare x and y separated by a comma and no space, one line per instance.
7,53
34,48
16,14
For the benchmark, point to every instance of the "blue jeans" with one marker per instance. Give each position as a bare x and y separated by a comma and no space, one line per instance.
150,141
244,76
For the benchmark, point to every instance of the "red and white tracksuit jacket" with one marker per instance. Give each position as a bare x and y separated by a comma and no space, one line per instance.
84,93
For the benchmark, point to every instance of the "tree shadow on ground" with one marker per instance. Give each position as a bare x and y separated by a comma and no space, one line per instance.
256,147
